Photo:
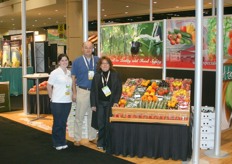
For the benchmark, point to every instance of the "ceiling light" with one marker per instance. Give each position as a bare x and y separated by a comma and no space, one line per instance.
49,18
127,6
126,12
177,6
35,20
12,19
39,13
154,2
103,9
13,24
105,15
56,10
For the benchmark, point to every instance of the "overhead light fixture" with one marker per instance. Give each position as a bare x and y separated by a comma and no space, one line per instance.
127,6
126,12
103,9
155,2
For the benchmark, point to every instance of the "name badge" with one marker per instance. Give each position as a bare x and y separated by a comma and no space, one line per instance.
90,75
68,90
106,91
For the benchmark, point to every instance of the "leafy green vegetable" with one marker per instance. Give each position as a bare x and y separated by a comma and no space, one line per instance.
228,97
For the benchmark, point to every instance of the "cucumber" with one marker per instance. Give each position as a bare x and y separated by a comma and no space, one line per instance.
187,41
155,105
146,105
152,105
184,34
164,105
182,41
160,105
140,104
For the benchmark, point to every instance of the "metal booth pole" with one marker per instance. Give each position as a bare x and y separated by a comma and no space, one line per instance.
99,28
216,153
198,81
24,55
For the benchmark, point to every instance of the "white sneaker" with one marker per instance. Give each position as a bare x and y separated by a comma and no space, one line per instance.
65,147
59,147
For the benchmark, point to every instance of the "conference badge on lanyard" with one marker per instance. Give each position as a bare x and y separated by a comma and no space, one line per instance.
90,72
68,90
90,75
106,90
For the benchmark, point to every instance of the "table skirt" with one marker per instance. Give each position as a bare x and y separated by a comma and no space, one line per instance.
152,140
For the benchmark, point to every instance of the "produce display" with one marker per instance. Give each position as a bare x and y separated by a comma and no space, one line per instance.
42,87
166,101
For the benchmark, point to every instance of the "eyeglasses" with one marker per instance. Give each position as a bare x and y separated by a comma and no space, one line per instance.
105,63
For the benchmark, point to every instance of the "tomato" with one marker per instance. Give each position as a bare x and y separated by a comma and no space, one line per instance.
230,43
183,28
230,50
173,42
230,34
169,36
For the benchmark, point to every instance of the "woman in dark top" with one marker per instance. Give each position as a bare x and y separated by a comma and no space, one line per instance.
105,93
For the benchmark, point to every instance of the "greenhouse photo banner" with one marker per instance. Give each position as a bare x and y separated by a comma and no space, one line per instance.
137,44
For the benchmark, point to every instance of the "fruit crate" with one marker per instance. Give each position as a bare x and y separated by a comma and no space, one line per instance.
141,115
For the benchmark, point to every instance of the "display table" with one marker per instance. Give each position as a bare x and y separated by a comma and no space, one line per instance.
36,77
14,76
151,140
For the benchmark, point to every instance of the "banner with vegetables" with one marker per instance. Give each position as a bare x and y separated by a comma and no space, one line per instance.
137,44
181,42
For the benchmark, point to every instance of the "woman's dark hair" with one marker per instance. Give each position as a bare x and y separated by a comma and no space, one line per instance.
61,56
108,61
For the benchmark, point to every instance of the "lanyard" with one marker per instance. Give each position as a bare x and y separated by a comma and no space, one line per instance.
106,79
86,62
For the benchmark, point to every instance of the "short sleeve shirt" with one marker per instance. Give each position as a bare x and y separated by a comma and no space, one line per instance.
62,86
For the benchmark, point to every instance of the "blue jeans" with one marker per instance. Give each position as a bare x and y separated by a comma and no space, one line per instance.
104,110
60,113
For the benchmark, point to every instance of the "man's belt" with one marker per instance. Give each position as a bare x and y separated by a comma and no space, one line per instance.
88,89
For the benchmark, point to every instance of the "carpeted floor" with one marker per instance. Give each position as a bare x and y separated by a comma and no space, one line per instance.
20,144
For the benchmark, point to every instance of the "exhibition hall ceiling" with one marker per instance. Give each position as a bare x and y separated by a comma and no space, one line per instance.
44,13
